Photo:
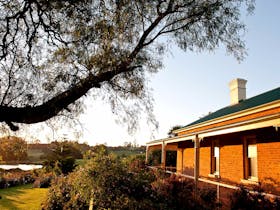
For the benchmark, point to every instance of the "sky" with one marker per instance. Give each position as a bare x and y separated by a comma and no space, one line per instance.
192,84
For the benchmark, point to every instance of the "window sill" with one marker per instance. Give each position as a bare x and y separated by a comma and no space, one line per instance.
214,176
250,181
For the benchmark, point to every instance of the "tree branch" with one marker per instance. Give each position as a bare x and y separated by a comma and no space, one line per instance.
148,31
55,105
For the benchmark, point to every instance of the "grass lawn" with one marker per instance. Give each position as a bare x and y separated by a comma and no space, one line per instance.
126,153
22,197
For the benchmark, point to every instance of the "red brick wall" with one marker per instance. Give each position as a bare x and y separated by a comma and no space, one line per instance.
205,161
179,160
231,158
188,161
269,165
231,163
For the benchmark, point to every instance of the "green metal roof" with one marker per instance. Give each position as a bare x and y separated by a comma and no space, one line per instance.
264,98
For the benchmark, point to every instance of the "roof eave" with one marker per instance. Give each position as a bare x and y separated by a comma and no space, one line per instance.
231,116
262,122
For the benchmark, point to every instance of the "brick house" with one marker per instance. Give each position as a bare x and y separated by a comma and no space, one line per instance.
238,144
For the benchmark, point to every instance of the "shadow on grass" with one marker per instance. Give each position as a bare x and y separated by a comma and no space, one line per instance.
10,196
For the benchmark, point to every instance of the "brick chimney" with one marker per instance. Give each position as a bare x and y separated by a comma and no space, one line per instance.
237,90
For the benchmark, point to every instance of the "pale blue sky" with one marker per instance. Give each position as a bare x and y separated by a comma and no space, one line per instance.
191,84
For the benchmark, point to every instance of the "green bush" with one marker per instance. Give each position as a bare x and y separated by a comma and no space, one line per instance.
108,182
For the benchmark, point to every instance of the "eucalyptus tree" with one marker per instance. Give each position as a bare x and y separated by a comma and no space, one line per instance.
54,53
13,149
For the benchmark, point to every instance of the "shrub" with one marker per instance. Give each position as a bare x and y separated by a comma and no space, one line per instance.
3,183
106,181
154,158
15,177
62,195
109,182
176,192
43,181
244,199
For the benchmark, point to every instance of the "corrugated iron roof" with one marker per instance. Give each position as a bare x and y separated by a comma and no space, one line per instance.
264,98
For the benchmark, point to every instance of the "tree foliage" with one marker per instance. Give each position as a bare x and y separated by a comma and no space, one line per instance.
52,53
13,148
173,128
61,157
